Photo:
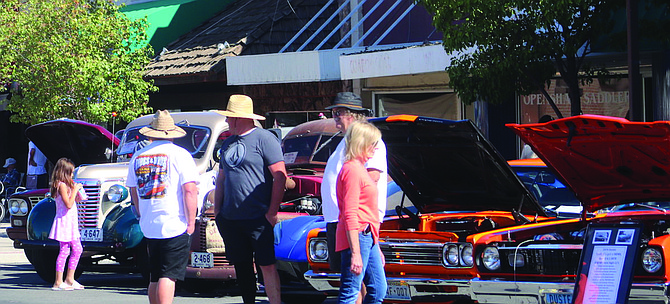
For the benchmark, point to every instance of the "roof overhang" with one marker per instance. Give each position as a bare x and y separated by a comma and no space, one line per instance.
308,66
335,64
405,61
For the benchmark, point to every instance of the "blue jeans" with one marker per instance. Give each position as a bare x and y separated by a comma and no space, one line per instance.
373,273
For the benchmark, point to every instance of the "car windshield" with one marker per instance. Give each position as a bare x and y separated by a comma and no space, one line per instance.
304,148
546,188
195,141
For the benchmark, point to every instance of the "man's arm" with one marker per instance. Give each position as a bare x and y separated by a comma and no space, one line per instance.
278,171
218,191
31,158
135,198
190,191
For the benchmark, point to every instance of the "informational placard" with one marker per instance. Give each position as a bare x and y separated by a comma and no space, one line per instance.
607,264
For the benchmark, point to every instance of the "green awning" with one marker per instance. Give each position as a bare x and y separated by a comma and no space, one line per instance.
169,19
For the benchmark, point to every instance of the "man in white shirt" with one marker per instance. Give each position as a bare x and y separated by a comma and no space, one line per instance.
37,171
163,178
348,107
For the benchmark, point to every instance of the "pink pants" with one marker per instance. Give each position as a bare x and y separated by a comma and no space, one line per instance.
65,251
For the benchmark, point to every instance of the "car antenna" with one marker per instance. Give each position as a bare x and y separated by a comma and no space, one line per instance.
327,141
111,156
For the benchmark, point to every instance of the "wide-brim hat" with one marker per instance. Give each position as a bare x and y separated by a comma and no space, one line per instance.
240,106
162,126
348,100
8,162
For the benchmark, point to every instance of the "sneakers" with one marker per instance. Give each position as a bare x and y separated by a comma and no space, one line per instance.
62,286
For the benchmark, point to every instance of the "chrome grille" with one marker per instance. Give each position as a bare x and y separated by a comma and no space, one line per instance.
89,209
545,261
203,235
220,259
412,253
34,200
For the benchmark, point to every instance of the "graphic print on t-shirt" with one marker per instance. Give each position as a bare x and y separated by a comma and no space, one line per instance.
235,154
151,172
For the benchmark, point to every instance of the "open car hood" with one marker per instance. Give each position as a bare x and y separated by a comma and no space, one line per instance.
446,165
82,142
606,161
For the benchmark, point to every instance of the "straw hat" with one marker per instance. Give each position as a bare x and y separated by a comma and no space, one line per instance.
162,126
240,106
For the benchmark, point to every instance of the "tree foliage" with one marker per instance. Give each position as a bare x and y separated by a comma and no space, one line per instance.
79,59
504,47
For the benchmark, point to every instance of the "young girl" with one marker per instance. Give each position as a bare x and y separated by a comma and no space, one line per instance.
65,228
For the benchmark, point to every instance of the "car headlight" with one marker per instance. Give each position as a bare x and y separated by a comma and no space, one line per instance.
318,250
117,193
18,207
516,260
491,258
466,255
652,260
450,255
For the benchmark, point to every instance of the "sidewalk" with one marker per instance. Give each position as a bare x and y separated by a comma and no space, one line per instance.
9,255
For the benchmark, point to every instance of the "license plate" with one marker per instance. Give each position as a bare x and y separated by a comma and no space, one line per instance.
398,291
557,298
91,234
202,259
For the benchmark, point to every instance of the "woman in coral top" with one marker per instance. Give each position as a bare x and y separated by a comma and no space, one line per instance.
358,228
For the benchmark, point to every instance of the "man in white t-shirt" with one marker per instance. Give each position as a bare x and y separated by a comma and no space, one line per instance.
37,171
163,178
346,108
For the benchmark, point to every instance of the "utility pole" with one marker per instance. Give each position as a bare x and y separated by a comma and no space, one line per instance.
635,111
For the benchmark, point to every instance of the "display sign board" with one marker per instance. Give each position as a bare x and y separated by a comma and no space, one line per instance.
607,263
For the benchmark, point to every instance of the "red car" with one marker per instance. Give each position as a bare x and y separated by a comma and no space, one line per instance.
620,171
459,186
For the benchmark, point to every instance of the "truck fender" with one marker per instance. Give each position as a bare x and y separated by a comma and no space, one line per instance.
121,226
41,219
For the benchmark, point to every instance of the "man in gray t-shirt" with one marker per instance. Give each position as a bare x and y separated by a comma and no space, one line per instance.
248,185
249,189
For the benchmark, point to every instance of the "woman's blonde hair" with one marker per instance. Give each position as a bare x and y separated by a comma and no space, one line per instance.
360,135
62,173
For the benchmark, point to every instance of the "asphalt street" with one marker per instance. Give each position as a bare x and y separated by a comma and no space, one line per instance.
20,284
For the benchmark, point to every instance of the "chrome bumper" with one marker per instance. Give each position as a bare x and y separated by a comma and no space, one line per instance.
486,291
419,287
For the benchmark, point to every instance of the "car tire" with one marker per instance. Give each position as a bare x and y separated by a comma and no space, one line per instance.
44,262
3,211
141,260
